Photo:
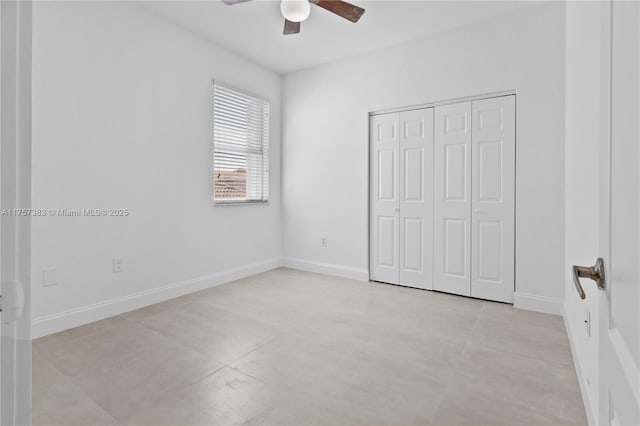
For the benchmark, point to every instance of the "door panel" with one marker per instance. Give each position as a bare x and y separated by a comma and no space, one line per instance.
412,234
490,251
452,204
624,174
416,198
490,185
387,233
493,199
413,175
455,172
15,242
619,304
387,175
455,249
384,215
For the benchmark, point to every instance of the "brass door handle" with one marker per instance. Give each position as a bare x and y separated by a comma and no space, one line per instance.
595,273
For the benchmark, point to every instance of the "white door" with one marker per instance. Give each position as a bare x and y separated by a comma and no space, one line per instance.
416,198
384,196
15,162
452,199
619,307
493,191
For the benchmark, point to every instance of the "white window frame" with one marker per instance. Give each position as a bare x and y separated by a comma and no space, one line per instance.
264,147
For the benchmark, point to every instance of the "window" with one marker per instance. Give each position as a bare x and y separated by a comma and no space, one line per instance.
240,146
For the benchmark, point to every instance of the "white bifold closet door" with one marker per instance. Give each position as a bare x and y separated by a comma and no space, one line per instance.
452,209
474,198
416,198
384,201
493,199
401,250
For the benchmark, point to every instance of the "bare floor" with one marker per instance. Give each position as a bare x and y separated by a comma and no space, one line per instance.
296,348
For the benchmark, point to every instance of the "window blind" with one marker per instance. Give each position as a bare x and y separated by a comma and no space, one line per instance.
240,146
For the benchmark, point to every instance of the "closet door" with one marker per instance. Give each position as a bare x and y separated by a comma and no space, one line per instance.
493,192
452,209
384,199
416,198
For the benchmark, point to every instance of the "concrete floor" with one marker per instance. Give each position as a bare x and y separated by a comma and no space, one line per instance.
295,348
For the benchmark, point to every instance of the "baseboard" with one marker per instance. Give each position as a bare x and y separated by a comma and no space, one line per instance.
532,302
581,376
61,321
327,268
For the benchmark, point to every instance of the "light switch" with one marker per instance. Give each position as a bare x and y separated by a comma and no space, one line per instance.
117,265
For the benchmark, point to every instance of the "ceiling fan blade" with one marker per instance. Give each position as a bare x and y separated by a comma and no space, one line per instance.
232,2
291,27
341,8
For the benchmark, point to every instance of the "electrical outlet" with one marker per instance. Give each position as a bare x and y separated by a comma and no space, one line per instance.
49,277
117,265
587,323
323,240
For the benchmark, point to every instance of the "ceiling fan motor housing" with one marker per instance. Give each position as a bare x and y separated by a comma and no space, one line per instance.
295,10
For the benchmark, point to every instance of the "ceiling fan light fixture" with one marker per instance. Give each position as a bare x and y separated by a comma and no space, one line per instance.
295,10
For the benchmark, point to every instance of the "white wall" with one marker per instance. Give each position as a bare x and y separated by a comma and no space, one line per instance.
325,139
122,118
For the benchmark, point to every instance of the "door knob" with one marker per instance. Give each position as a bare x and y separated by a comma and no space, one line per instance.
595,273
396,209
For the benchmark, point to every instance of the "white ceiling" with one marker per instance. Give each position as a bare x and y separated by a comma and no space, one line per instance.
254,29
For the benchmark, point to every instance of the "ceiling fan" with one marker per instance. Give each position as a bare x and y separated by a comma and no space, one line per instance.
296,11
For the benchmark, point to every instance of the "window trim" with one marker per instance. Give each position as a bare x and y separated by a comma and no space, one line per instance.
239,202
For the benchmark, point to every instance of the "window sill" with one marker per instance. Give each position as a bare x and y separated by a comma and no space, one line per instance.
239,202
